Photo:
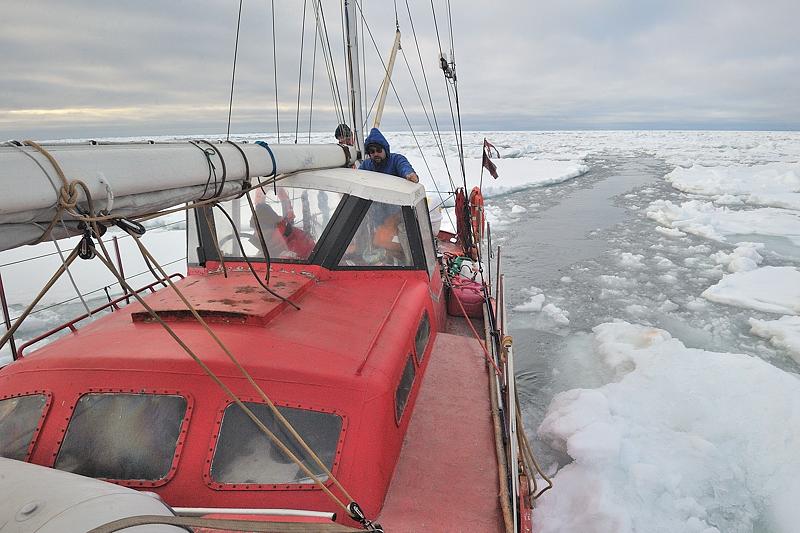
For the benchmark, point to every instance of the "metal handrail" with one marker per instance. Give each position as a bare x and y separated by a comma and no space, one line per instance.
71,324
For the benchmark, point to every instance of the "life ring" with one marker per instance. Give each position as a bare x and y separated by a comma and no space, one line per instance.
476,214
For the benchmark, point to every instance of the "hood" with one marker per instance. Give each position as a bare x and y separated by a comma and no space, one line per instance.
376,137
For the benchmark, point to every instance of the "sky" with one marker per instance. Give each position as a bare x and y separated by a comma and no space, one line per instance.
89,68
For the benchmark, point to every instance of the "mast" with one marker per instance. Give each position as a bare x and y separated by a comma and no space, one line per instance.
387,80
354,75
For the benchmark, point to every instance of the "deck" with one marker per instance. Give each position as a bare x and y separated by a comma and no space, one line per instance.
447,475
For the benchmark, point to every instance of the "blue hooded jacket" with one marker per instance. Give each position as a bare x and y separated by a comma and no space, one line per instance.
394,164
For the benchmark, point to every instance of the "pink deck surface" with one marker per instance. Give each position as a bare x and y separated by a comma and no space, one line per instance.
447,476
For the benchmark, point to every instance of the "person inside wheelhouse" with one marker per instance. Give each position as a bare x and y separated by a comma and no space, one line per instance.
293,221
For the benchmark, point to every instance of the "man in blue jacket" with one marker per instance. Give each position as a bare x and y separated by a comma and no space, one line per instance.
381,160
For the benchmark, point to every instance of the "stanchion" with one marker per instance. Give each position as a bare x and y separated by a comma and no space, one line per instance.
7,319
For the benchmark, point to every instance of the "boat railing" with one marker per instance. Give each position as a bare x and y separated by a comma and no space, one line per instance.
203,511
114,305
522,467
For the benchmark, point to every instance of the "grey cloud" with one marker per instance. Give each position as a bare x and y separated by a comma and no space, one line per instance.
138,68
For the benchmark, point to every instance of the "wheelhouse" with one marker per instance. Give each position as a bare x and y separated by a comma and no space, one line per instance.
339,219
119,400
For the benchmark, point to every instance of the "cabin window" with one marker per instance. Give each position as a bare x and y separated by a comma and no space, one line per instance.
19,418
381,240
291,221
244,454
404,388
422,336
122,436
426,232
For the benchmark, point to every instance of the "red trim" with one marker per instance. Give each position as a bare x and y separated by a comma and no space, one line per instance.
212,447
137,483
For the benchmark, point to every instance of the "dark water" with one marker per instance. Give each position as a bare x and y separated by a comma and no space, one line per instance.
568,228
565,232
576,232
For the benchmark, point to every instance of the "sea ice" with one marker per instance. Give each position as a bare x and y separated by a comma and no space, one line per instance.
533,305
682,443
771,184
704,219
769,289
744,257
670,232
629,260
782,333
515,173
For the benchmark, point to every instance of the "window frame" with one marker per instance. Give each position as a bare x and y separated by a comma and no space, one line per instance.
45,409
214,441
427,238
415,367
136,483
420,356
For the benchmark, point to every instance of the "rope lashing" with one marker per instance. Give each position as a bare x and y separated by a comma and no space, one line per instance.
274,164
67,194
218,190
212,168
246,179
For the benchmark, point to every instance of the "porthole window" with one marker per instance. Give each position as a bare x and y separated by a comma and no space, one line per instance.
245,455
122,436
422,336
19,418
404,388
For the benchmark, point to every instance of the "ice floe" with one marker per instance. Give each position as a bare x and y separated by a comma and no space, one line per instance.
771,184
769,289
783,333
704,219
678,442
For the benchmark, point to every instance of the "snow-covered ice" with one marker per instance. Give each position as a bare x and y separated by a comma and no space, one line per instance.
783,333
678,442
704,219
769,289
771,184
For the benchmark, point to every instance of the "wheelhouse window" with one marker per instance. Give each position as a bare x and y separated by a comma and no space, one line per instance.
381,240
404,388
422,336
245,455
19,418
426,232
122,436
291,221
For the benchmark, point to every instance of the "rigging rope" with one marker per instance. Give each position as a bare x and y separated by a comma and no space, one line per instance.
399,101
71,277
313,76
449,99
300,72
329,64
233,74
105,258
275,73
438,134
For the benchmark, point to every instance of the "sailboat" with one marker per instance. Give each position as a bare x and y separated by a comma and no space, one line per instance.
330,362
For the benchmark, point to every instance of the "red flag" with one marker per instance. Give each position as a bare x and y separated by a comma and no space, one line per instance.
490,151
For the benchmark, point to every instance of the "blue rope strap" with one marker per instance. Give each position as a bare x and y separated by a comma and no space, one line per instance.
274,164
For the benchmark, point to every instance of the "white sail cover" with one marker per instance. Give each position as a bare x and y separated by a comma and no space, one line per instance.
133,179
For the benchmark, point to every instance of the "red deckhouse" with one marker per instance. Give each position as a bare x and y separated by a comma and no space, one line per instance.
354,348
